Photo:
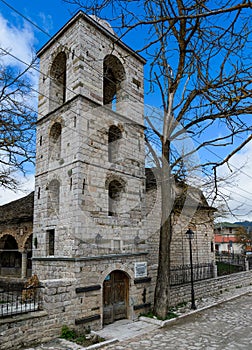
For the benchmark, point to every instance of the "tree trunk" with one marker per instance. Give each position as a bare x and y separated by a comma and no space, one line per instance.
162,290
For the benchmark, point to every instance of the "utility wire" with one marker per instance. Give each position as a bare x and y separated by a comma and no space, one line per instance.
100,75
77,114
98,72
51,99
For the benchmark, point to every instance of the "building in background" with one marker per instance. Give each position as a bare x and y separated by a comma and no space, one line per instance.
226,240
16,227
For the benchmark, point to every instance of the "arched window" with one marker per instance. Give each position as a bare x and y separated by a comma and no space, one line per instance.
115,190
53,197
58,81
114,136
113,76
50,242
55,141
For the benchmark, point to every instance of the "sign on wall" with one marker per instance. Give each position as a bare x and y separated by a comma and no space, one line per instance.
140,269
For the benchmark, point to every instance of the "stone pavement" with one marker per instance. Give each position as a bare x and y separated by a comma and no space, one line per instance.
227,326
216,325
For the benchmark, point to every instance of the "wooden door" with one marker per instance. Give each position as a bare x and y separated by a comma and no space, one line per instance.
115,297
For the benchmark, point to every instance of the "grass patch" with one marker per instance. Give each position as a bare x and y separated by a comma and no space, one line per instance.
85,340
226,269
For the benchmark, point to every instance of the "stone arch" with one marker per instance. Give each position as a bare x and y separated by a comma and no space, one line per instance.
116,188
8,241
10,257
111,177
55,141
117,266
115,296
113,77
114,137
57,73
53,197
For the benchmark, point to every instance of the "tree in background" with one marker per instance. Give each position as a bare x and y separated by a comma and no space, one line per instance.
244,237
17,123
199,65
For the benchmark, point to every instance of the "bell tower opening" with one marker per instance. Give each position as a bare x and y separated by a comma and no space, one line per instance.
113,77
58,81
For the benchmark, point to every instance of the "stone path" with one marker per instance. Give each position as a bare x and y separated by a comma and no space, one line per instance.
225,326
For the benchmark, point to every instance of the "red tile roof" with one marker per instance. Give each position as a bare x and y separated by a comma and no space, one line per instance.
224,239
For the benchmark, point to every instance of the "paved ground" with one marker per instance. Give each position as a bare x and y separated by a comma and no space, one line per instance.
226,326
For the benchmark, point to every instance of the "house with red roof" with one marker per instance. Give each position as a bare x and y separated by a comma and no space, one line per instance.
225,238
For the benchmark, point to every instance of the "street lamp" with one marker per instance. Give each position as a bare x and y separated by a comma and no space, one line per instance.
190,235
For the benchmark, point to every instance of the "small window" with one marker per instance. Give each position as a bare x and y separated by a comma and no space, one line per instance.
55,141
114,136
115,195
50,242
53,197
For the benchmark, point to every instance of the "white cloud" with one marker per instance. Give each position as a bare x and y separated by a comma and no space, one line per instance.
240,185
18,41
47,22
26,186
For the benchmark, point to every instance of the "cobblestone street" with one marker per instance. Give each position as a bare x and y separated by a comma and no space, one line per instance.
227,326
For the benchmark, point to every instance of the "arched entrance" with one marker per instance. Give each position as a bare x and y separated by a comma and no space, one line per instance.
115,297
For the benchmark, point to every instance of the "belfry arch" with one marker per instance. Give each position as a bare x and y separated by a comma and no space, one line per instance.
58,81
113,81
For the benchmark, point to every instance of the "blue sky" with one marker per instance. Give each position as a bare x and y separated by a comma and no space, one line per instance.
23,39
48,15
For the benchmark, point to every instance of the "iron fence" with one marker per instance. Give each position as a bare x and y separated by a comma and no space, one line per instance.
249,258
14,302
233,259
182,274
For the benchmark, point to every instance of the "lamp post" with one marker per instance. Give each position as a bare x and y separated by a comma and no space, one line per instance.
190,235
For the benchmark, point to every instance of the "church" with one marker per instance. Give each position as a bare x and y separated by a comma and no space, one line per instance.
96,216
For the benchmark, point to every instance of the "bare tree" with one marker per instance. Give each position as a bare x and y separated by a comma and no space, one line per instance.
199,65
17,123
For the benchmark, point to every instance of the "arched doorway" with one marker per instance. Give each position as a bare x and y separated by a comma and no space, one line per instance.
115,297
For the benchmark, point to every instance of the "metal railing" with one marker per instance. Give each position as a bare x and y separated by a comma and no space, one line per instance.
182,274
14,302
230,258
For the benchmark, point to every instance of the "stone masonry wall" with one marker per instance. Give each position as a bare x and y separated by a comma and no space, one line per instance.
25,330
211,287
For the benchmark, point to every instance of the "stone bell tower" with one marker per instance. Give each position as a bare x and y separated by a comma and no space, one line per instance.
90,180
